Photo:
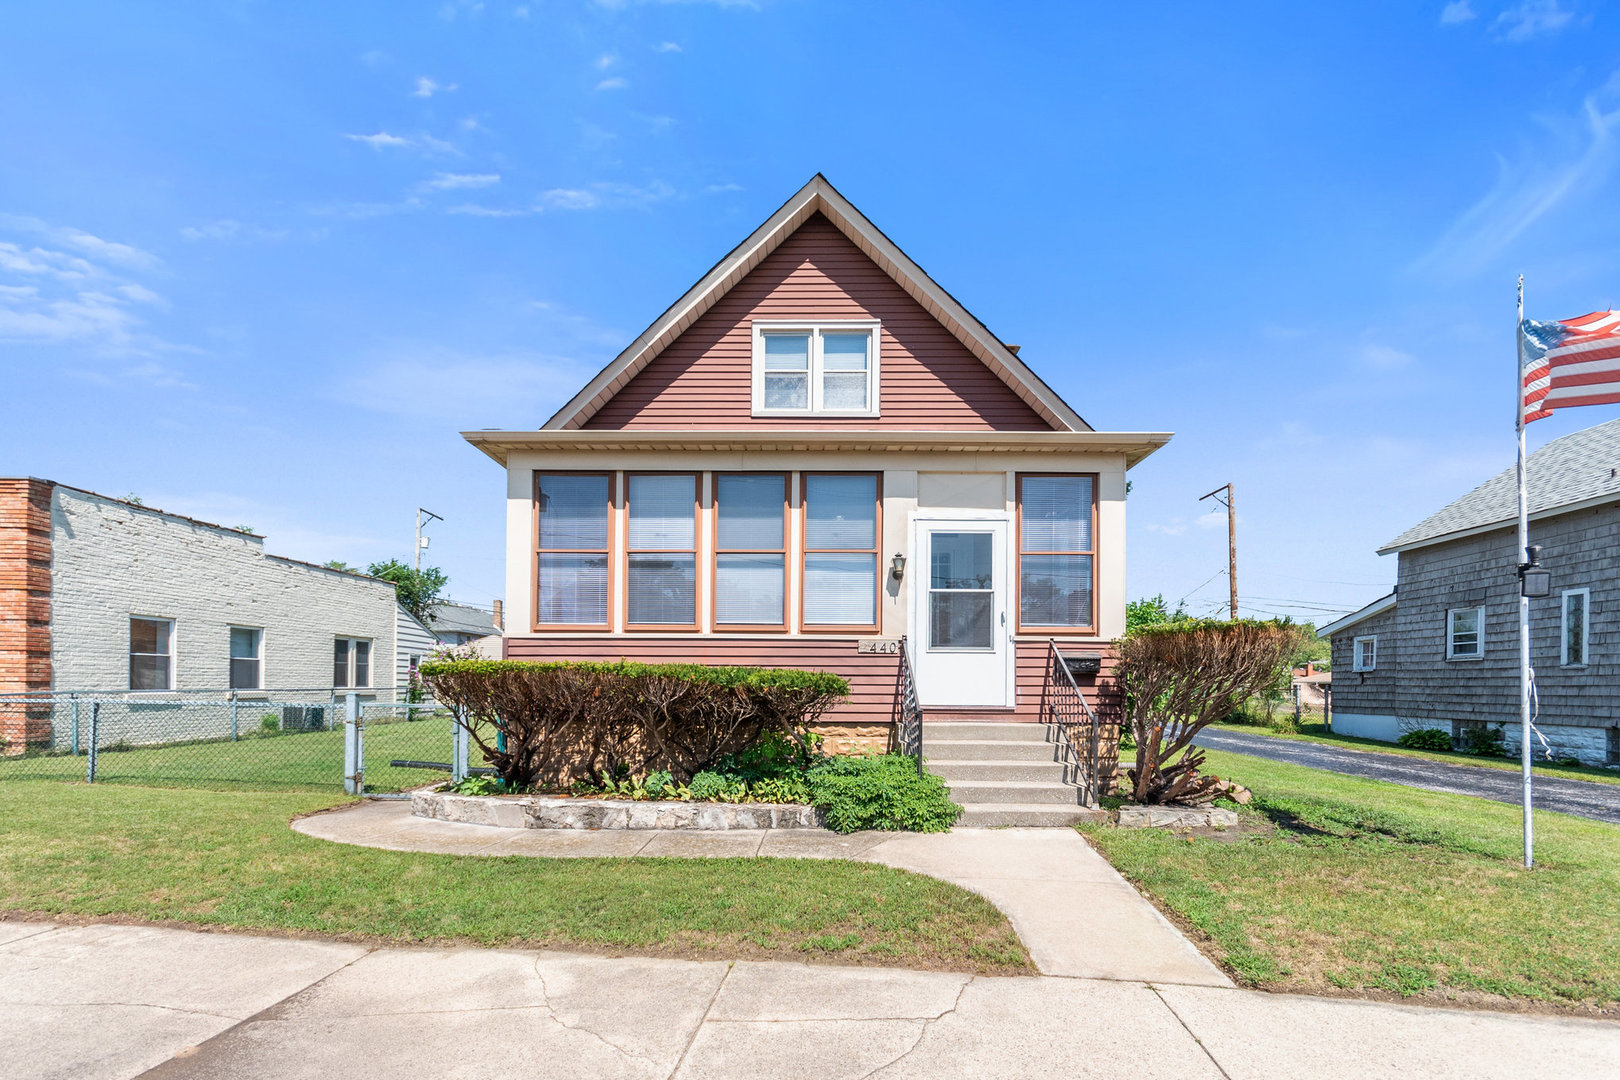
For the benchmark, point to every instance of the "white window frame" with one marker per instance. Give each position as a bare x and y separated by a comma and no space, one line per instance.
174,649
1451,635
1355,653
371,661
815,328
1563,627
259,659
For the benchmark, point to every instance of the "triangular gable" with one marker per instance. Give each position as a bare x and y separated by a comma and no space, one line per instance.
818,196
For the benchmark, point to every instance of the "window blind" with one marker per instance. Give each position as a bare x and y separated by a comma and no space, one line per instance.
840,512
750,511
1056,513
661,512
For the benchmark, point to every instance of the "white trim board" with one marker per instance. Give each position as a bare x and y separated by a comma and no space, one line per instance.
1377,607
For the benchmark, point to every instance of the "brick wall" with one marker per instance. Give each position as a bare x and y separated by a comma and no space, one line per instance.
25,603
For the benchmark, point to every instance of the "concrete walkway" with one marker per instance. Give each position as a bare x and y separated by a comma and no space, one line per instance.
1075,914
1582,798
117,1002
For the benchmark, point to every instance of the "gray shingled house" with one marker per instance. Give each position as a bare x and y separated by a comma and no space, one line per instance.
1442,650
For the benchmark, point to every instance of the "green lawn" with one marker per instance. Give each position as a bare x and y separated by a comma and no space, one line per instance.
1318,732
229,859
1351,885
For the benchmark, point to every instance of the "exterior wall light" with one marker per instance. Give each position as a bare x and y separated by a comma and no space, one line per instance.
1534,582
897,566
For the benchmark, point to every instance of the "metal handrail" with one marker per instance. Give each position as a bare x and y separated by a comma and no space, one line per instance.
1067,710
909,726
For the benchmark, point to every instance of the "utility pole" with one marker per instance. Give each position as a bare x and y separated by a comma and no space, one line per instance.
422,541
1230,502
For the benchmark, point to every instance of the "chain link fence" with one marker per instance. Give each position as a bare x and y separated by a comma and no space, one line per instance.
310,744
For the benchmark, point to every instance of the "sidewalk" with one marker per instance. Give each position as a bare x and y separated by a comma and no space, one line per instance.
114,1002
1075,914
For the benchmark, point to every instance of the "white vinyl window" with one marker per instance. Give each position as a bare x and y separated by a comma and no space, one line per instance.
1364,653
151,654
1577,605
1465,633
351,663
246,671
816,369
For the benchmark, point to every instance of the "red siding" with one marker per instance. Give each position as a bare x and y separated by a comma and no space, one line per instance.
930,380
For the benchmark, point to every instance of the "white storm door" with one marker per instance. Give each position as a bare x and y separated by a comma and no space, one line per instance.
962,645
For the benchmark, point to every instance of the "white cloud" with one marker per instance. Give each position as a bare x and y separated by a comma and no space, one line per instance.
140,294
615,83
426,87
1384,358
610,195
474,210
460,181
86,244
1532,18
721,189
1455,13
380,140
521,11
229,229
605,61
666,46
470,123
439,145
570,199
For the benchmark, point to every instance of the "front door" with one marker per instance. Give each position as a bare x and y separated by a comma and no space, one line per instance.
962,646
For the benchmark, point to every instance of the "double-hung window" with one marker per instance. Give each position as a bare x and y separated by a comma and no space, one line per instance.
1056,549
351,663
816,369
1577,605
1465,633
571,578
1364,653
151,654
840,551
750,556
246,643
661,575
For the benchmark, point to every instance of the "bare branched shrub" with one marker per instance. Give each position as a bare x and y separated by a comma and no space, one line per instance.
1181,677
563,721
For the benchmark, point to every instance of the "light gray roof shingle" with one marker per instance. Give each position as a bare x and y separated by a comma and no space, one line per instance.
462,619
1568,471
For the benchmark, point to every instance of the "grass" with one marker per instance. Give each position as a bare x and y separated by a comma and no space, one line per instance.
1318,732
299,761
1347,885
229,860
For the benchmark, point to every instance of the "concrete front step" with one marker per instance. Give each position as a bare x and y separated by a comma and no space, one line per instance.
935,749
1012,791
945,730
952,771
1010,815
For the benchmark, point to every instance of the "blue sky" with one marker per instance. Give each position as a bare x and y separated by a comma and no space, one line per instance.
259,263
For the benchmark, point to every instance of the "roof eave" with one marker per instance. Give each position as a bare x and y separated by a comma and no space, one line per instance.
1377,607
1395,547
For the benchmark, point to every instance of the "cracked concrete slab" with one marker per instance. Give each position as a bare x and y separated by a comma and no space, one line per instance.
792,1050
1280,1036
791,992
729,843
16,931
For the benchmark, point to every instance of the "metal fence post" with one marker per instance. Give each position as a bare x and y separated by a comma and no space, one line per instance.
95,726
458,751
74,698
353,746
235,735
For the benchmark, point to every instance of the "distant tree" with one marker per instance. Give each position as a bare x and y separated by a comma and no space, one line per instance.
419,591
1152,611
136,499
246,529
339,564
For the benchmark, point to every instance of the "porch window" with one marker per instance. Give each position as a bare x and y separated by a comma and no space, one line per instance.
750,560
662,554
1465,633
1576,605
1056,551
828,369
571,582
351,663
841,514
245,662
151,654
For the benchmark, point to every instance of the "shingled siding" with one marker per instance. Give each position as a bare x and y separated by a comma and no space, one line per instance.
1582,550
930,381
1366,693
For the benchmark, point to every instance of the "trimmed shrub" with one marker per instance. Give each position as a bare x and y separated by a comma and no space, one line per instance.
1425,739
883,791
716,787
571,720
1482,740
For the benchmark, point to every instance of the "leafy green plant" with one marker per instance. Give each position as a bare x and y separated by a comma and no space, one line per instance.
659,784
478,785
270,722
786,789
1482,740
882,791
716,787
1425,739
418,591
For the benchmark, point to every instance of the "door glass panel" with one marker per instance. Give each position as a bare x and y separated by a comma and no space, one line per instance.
961,591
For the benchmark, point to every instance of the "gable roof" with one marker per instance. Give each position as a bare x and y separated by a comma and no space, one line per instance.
818,196
453,618
1377,607
1569,473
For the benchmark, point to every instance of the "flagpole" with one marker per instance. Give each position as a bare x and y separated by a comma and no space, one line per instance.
1524,601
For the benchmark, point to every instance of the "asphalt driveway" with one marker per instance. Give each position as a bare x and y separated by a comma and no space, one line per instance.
1582,798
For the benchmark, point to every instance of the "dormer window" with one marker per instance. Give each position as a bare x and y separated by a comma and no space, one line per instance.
816,368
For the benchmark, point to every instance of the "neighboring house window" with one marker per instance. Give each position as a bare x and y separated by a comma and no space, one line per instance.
840,580
245,660
151,654
351,663
571,578
1364,653
1465,633
661,574
750,542
1056,551
819,368
1577,606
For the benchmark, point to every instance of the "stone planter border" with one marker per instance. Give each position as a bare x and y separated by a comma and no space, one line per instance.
1176,817
555,812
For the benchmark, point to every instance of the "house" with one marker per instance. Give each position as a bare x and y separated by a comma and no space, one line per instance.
816,452
1442,650
452,625
105,595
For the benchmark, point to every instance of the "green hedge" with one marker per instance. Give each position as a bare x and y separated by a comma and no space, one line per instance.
751,678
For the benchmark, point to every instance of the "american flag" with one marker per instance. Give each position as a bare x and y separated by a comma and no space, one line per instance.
1574,362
